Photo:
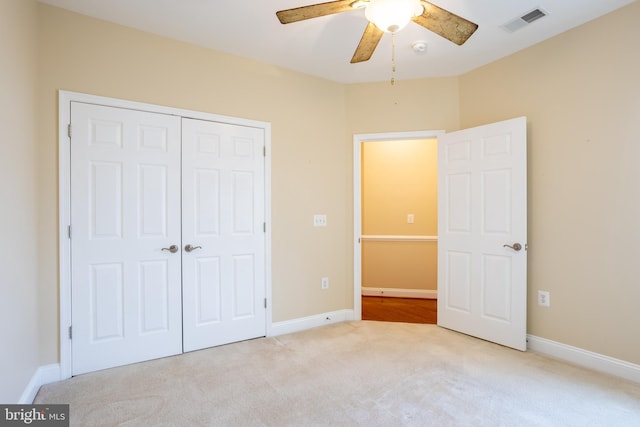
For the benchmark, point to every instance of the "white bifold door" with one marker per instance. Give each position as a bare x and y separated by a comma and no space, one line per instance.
167,239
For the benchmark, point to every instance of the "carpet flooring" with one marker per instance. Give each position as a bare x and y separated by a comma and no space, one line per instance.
351,374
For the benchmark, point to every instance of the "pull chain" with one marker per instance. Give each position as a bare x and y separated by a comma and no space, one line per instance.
393,59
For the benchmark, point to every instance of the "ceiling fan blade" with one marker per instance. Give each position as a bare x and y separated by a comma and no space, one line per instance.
368,43
313,11
446,24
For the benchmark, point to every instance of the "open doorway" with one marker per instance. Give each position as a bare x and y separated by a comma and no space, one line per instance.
482,229
395,206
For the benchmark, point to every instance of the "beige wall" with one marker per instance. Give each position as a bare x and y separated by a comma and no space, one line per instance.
427,104
400,178
18,196
581,94
310,148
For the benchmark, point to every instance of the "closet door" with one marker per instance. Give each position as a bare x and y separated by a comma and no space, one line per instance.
223,214
125,216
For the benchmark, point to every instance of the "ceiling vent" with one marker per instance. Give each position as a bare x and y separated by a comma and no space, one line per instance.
524,20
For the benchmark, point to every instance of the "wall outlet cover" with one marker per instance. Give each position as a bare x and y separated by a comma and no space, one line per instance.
544,299
320,220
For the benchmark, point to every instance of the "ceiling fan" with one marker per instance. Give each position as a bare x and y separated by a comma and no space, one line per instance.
387,16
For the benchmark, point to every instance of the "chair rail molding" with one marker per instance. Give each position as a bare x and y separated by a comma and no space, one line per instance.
397,238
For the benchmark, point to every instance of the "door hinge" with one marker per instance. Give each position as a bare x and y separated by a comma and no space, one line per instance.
70,333
264,227
69,130
264,151
265,303
69,231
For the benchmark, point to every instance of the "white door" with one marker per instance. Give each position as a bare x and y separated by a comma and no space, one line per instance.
482,232
137,293
223,221
125,186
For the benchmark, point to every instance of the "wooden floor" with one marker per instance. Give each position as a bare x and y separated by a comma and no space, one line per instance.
409,310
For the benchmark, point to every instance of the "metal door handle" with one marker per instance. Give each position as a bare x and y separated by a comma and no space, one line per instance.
190,248
516,246
173,249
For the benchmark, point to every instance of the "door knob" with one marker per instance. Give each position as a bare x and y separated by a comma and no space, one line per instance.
173,249
190,248
516,246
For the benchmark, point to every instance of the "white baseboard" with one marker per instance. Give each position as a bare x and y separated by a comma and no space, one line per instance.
303,323
588,359
399,293
43,375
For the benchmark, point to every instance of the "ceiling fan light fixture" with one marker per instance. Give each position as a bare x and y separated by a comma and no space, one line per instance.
392,15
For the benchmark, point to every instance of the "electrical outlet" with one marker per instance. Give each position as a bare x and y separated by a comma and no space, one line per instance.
325,283
320,220
410,218
544,299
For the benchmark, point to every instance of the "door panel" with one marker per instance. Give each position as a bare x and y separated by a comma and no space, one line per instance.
105,198
152,204
223,216
482,208
458,291
107,291
244,286
208,296
154,290
496,287
125,207
206,198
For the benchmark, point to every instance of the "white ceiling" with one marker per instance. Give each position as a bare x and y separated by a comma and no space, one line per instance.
323,46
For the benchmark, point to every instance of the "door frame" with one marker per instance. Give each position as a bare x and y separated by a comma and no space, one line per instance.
358,140
64,200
